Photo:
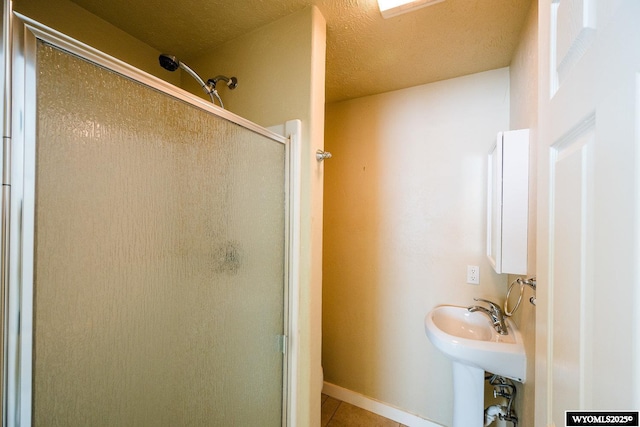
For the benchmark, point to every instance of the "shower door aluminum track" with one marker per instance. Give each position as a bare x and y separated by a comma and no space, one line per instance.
20,258
5,155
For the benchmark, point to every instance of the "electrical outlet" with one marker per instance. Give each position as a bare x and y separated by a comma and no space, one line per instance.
473,274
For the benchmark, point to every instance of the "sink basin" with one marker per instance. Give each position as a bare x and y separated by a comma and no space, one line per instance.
470,339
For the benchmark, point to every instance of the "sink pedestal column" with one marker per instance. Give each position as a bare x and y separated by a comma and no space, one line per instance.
468,396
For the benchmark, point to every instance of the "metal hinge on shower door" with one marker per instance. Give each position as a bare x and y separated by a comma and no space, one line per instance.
282,343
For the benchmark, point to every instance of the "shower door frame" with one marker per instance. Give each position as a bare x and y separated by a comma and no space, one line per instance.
18,328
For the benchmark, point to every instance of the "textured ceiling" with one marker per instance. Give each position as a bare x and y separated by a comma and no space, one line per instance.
366,54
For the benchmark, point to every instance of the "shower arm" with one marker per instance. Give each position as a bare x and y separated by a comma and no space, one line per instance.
231,82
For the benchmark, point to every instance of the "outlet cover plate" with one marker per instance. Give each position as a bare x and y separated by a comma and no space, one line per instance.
473,274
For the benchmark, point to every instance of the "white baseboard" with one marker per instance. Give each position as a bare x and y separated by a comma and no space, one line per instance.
371,405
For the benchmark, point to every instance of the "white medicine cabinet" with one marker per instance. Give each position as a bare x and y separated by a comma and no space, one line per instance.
508,202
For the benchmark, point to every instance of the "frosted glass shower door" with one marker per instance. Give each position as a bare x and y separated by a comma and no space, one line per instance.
159,258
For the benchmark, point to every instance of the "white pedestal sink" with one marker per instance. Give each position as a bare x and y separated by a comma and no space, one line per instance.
474,346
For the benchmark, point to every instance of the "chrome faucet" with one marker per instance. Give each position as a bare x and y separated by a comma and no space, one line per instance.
494,313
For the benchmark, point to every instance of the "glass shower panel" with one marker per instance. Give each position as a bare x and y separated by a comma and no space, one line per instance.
160,258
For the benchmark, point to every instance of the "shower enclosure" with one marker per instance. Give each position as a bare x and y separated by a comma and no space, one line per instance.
150,250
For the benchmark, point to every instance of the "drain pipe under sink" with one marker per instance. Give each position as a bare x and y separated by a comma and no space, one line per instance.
492,412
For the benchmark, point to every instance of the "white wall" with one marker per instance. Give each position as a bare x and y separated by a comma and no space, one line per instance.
404,215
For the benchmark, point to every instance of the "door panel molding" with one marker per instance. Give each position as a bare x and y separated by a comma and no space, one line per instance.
570,286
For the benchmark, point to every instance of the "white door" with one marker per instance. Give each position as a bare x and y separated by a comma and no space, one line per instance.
588,321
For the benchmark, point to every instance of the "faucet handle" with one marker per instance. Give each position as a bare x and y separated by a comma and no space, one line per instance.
493,305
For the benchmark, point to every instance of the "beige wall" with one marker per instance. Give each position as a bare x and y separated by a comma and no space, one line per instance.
76,22
524,114
404,215
281,72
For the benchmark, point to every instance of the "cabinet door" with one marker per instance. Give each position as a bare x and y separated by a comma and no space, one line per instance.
507,202
494,206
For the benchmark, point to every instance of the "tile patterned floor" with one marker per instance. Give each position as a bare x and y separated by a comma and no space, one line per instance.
341,414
